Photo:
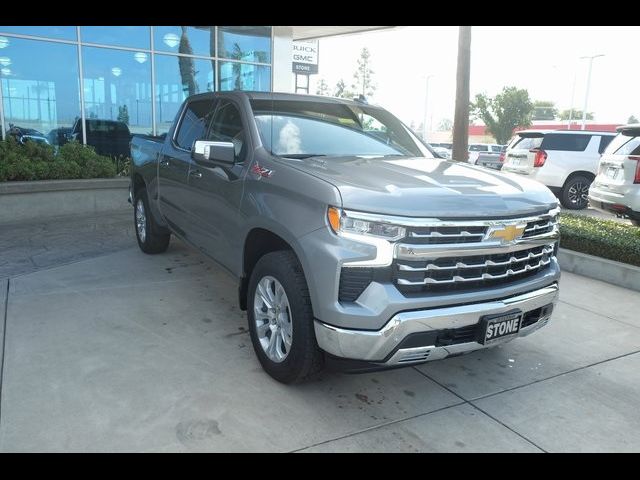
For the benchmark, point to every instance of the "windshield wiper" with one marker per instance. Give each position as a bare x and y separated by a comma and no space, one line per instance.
303,155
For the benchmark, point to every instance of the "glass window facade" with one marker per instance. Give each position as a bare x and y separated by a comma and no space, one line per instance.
186,40
120,76
39,82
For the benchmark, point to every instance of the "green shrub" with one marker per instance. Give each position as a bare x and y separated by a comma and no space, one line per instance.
602,238
37,161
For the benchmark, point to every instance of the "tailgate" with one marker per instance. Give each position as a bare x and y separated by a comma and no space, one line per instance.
519,158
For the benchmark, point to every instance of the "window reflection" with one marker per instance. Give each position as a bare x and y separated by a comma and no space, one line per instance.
249,44
117,87
188,40
62,33
244,76
40,88
177,77
135,36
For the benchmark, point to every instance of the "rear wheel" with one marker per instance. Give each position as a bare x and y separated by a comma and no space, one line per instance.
281,319
151,238
574,195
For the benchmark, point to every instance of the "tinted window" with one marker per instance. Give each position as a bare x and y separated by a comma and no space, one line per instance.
526,143
195,123
567,143
227,127
624,145
605,140
478,148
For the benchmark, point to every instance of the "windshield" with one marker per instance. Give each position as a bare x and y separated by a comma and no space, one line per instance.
302,128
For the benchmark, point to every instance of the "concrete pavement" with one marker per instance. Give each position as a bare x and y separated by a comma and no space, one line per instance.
130,352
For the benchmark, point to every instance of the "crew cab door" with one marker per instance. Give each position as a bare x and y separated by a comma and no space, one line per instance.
215,189
175,159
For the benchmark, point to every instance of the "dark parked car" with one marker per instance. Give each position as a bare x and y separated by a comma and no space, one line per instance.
108,137
23,135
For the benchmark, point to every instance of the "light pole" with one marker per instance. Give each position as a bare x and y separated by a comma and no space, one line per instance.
426,108
586,94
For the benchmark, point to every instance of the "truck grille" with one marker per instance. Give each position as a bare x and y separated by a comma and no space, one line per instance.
448,273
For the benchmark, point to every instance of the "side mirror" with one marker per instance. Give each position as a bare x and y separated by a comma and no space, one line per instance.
206,151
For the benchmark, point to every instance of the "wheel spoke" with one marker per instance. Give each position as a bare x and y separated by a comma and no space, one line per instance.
261,329
264,296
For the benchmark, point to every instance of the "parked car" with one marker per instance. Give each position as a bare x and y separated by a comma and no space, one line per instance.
565,161
486,155
616,189
23,135
108,137
59,136
351,243
442,152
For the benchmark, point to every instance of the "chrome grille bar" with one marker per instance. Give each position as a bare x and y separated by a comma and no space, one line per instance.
489,263
463,233
484,276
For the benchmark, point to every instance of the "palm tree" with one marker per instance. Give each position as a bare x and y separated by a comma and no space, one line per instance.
186,65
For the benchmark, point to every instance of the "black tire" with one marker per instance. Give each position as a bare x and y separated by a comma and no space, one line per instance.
304,358
574,193
156,239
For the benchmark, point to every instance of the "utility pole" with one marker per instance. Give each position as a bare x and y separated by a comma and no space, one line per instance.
573,95
461,118
586,93
426,108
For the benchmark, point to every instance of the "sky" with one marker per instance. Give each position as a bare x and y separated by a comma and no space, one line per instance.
543,60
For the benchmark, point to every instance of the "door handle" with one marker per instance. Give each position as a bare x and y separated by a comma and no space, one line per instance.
195,174
164,163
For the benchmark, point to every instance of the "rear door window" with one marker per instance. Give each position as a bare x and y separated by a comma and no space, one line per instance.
478,148
624,145
566,142
605,140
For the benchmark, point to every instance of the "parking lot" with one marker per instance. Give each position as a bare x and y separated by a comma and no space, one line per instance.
108,349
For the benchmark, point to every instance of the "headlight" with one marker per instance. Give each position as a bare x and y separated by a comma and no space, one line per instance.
343,221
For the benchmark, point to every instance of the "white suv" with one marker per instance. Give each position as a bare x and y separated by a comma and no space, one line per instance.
565,161
617,187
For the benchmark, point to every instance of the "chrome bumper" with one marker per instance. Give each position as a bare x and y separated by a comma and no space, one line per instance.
376,346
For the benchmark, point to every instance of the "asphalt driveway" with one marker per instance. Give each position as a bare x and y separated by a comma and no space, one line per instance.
130,352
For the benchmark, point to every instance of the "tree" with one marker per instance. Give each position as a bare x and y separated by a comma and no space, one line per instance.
632,119
322,88
509,109
445,125
576,115
362,78
186,66
123,114
544,110
341,90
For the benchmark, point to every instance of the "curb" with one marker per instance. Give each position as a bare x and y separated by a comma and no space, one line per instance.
38,200
617,273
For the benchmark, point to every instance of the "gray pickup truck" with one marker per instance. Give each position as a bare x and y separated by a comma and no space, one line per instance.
353,245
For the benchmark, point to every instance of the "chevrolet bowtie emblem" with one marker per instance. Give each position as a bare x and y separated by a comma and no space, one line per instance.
506,233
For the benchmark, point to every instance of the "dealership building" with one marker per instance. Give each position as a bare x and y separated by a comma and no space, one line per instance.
51,77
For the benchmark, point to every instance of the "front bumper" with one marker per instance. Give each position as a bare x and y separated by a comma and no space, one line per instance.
387,347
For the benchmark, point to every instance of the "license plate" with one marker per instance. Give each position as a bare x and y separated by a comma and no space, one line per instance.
515,162
500,325
612,172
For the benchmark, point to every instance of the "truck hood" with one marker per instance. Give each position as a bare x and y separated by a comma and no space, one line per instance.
427,187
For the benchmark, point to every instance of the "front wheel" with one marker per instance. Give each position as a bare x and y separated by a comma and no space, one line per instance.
281,319
574,195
